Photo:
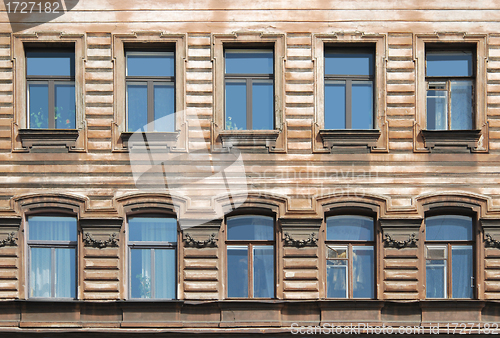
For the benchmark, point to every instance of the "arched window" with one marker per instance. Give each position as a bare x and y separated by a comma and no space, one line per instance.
250,257
52,242
350,257
449,256
152,243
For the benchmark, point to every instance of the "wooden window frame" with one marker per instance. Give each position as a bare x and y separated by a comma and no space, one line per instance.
349,79
23,138
449,245
350,245
176,141
347,140
52,245
249,244
448,79
150,82
249,96
477,140
150,245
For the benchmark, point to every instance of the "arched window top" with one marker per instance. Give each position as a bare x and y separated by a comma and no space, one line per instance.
52,228
152,229
349,228
250,228
448,228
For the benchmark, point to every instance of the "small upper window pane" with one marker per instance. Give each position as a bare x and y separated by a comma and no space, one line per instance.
453,63
52,228
249,228
348,63
150,64
349,228
154,229
249,61
50,63
448,228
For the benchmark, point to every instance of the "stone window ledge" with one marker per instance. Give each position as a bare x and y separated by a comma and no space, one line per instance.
249,139
451,139
334,139
149,140
49,140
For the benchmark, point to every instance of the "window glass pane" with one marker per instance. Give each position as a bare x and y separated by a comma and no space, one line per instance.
236,104
65,281
436,278
38,105
137,106
349,228
40,272
437,109
165,276
436,252
363,282
339,252
52,228
442,63
448,228
150,64
140,273
250,228
263,271
64,105
362,105
249,61
262,105
348,63
336,278
164,97
461,271
152,229
237,271
50,63
335,105
461,105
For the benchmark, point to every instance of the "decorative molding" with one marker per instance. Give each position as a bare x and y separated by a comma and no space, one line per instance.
10,240
389,242
312,240
90,241
211,241
491,242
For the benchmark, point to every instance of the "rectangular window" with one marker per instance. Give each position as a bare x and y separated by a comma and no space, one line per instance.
450,90
52,245
350,257
250,257
50,78
349,86
150,83
249,89
449,257
152,251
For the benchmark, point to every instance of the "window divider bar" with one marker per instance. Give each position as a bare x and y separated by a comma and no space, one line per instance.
249,103
250,270
51,113
348,104
152,273
52,272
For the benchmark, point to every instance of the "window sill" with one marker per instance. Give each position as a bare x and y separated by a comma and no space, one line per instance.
349,140
48,140
451,140
249,139
149,140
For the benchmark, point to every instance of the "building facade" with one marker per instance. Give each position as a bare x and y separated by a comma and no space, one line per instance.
268,168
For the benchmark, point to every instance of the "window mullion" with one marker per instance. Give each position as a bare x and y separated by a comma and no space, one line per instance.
448,271
249,103
53,272
250,270
150,107
350,282
448,90
348,104
52,113
153,273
